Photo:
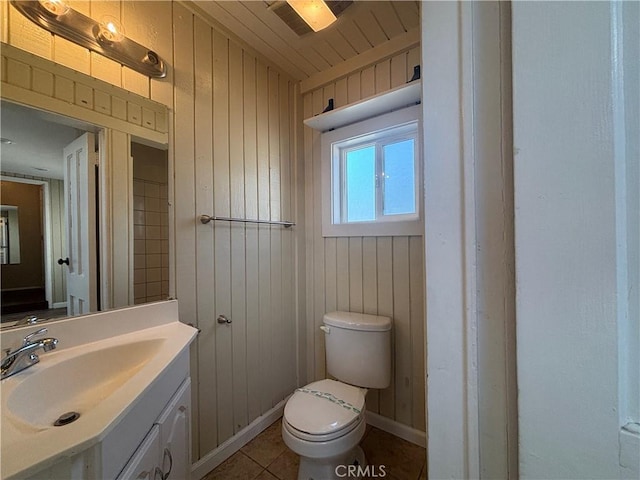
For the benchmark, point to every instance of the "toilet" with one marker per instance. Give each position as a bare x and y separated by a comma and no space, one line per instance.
324,421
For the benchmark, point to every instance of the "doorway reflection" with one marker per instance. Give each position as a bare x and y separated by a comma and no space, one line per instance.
23,281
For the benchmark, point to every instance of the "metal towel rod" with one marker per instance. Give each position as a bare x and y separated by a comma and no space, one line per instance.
207,218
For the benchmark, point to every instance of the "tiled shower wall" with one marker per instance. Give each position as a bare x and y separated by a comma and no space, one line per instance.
151,241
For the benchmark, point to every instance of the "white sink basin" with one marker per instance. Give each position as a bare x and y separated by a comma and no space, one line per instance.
78,384
114,368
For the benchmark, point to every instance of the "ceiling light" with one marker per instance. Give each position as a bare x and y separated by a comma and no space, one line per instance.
315,12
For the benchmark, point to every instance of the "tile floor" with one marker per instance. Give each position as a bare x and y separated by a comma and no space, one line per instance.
266,457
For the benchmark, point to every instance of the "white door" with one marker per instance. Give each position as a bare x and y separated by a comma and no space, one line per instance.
80,220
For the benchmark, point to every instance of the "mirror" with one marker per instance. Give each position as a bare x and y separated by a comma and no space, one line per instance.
150,224
37,238
9,235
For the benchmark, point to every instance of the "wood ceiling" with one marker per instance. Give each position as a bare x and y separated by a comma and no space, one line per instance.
361,27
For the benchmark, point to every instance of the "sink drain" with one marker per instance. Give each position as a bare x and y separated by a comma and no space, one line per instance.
66,419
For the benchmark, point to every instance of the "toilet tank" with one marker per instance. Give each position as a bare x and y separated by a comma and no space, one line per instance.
358,348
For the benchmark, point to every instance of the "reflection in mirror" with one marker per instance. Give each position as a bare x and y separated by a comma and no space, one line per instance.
9,235
41,156
151,223
33,181
24,286
79,156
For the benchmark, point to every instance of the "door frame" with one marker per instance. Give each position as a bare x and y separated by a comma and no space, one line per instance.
48,249
470,365
115,187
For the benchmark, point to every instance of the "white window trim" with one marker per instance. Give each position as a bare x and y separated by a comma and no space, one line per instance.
331,195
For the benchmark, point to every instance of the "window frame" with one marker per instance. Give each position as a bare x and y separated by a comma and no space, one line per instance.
400,125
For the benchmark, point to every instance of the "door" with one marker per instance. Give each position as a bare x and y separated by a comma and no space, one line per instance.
80,219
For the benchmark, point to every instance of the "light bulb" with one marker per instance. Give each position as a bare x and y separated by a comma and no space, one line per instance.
110,30
54,7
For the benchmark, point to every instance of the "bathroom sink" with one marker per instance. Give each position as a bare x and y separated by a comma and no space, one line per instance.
77,384
114,369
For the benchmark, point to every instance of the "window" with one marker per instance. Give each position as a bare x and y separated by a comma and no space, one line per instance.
371,177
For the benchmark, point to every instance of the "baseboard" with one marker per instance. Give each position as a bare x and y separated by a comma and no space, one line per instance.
59,305
244,436
398,429
214,458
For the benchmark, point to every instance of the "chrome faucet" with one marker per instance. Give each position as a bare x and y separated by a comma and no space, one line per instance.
28,320
25,356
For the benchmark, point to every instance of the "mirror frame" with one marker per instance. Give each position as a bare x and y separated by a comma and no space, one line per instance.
120,117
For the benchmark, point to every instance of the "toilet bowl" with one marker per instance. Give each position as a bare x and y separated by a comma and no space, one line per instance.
324,421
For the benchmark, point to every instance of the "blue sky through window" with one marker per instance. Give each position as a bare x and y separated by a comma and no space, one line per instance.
360,170
399,178
371,176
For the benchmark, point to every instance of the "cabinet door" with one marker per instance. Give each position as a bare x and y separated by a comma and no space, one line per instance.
144,465
175,435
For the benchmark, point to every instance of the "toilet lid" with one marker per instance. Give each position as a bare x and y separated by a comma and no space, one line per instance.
324,407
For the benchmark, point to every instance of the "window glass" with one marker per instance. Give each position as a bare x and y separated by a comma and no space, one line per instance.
399,178
360,194
370,172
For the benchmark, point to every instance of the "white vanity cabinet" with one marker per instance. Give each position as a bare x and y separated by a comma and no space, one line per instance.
175,435
144,464
126,373
165,452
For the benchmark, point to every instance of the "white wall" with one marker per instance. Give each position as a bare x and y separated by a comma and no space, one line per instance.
494,229
471,384
630,174
567,198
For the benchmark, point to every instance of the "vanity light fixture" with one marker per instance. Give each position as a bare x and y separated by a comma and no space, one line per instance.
105,37
315,13
54,7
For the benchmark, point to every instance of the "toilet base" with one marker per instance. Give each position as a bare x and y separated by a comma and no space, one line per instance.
335,468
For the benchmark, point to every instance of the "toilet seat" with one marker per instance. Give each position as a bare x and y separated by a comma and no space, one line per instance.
310,437
324,410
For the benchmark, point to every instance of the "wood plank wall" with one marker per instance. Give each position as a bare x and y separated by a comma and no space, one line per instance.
376,275
232,147
232,142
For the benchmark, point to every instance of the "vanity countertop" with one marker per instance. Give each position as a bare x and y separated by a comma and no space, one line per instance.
119,355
